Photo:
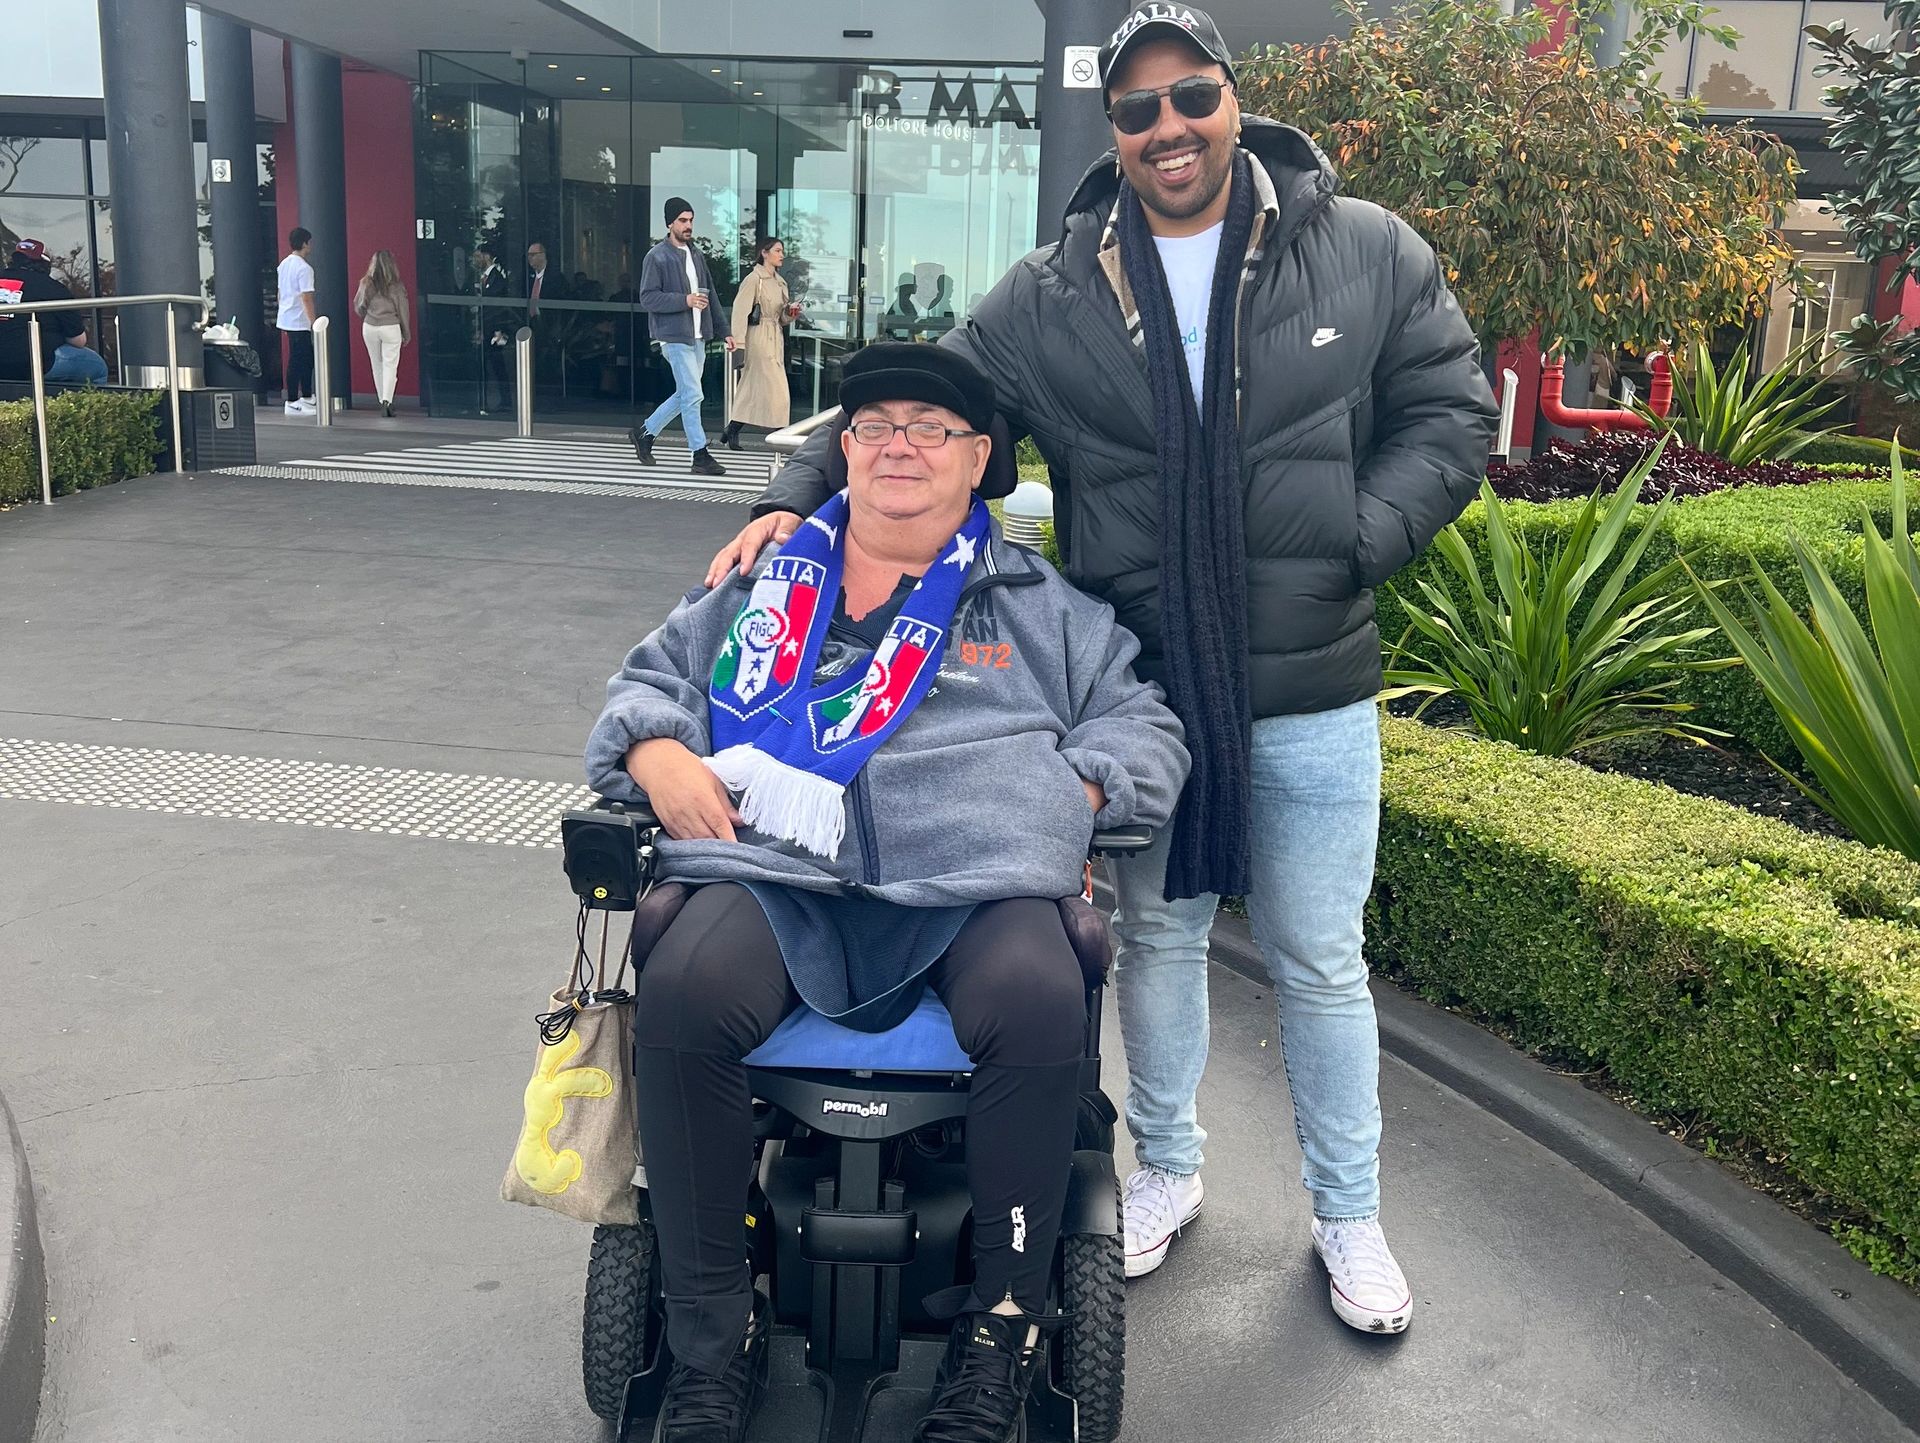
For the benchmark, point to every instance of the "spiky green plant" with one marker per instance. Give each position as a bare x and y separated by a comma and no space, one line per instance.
1847,692
1537,661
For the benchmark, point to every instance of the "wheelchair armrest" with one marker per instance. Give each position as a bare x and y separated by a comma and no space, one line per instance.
641,813
1118,841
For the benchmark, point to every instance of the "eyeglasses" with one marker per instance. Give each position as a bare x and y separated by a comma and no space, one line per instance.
927,435
1138,111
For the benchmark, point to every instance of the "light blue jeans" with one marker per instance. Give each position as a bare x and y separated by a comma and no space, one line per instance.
687,361
1316,820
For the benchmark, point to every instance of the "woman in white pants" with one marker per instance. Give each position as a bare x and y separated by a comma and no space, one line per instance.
385,325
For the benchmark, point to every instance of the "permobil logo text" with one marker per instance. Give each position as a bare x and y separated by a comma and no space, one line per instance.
842,1106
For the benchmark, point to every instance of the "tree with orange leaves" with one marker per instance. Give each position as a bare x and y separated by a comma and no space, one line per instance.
1561,193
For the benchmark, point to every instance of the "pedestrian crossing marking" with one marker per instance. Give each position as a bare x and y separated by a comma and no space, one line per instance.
590,464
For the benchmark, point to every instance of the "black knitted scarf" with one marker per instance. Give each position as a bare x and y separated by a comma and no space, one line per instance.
1203,547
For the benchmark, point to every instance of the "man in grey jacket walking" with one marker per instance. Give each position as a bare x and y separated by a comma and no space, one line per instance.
1258,400
676,291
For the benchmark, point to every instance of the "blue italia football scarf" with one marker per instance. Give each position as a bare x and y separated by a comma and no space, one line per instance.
788,748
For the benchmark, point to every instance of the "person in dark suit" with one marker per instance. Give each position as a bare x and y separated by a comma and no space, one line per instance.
497,325
550,330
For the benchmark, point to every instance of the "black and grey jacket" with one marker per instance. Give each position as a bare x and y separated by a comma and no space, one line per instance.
664,293
978,794
1365,418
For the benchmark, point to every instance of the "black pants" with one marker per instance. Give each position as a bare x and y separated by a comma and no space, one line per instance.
715,987
299,364
497,380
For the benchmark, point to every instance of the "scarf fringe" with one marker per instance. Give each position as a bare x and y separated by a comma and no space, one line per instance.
783,801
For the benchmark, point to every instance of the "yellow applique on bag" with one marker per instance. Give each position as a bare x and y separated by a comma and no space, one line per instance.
578,1147
540,1165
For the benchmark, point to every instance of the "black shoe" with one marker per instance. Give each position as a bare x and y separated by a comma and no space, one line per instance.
700,1408
984,1380
731,438
387,408
705,465
642,445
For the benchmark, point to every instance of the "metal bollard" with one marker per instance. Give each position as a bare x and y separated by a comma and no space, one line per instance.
173,392
322,373
523,381
40,410
1509,404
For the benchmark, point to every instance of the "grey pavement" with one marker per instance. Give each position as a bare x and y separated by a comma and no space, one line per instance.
269,1075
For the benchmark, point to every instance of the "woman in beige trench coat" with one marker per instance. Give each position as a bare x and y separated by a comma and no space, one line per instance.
760,397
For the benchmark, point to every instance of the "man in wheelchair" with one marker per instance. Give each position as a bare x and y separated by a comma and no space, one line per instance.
879,760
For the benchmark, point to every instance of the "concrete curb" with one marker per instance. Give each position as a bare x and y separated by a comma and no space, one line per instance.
1867,1326
23,1293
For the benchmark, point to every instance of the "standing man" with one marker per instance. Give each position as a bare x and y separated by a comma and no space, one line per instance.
296,320
545,285
29,277
676,291
1258,401
490,281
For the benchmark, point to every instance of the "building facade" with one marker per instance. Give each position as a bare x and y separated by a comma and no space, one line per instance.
894,147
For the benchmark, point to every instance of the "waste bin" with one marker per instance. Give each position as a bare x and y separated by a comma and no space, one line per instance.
232,366
216,430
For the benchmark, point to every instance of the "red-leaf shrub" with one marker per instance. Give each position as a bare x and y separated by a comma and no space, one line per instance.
1600,462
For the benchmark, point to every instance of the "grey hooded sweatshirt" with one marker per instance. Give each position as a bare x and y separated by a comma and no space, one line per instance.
977,796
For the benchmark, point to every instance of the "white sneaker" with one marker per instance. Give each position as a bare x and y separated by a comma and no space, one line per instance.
1156,1205
1369,1291
302,408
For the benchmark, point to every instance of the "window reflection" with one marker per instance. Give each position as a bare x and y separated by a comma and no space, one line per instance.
576,156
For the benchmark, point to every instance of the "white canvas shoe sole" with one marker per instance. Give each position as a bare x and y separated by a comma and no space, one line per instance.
1141,1263
1368,1320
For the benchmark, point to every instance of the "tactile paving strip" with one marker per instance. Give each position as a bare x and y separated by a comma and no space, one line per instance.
335,796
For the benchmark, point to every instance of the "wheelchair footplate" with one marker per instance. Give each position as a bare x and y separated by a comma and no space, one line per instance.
849,1403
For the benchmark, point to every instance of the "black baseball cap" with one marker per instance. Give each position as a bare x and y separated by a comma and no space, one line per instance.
1159,21
916,371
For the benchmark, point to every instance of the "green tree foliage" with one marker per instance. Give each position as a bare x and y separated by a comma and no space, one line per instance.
1561,193
1876,130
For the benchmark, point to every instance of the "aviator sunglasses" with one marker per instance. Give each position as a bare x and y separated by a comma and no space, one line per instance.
1136,112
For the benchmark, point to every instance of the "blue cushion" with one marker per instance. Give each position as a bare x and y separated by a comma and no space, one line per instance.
923,1043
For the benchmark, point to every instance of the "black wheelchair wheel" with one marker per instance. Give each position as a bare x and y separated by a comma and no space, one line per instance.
1093,1346
614,1331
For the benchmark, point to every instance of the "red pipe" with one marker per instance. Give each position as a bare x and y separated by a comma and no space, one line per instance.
1659,397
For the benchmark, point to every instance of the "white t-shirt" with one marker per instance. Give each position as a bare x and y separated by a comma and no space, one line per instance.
1189,261
296,278
700,331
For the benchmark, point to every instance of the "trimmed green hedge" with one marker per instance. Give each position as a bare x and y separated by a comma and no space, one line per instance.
1861,450
1716,532
1715,962
94,438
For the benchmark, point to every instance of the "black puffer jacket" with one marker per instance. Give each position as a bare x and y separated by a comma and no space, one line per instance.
1355,450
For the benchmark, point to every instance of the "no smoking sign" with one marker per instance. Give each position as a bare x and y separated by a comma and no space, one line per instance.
1080,67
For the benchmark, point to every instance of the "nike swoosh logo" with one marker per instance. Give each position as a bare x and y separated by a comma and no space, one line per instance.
1324,335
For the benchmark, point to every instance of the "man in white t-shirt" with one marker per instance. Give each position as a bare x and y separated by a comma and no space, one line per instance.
296,320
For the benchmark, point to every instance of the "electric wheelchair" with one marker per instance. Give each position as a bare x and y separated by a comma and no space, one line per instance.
859,1206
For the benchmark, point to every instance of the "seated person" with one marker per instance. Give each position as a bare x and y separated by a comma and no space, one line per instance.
72,361
872,805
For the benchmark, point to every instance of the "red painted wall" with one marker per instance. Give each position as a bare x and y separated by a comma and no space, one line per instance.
380,199
1903,302
1523,357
